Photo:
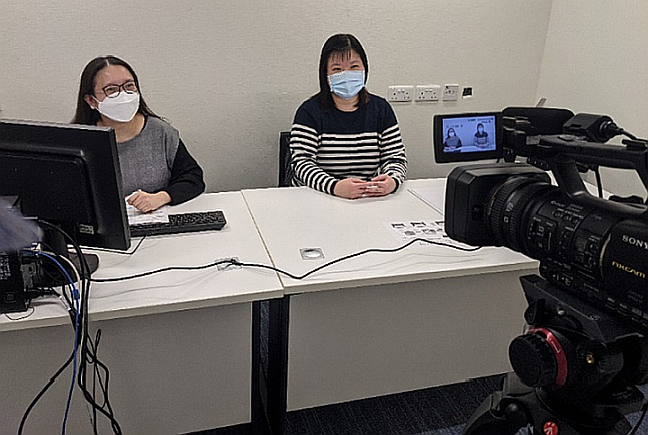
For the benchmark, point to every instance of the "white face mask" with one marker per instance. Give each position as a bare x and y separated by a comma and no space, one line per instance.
122,108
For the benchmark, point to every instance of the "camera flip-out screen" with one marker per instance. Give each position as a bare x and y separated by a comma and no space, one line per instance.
467,136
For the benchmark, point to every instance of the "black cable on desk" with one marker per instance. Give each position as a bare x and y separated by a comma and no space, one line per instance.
234,262
15,319
116,251
357,254
165,269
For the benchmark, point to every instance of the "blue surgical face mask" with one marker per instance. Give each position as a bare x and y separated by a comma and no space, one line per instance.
347,84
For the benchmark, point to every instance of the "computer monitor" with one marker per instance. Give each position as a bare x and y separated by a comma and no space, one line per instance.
67,175
467,137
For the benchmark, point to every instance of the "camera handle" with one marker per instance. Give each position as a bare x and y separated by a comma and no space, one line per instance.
562,151
571,185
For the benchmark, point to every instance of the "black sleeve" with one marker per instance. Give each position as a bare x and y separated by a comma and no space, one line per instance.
186,177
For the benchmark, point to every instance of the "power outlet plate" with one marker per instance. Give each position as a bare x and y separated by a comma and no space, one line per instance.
400,93
450,92
428,92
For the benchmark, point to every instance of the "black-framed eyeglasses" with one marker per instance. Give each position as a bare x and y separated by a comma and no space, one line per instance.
113,91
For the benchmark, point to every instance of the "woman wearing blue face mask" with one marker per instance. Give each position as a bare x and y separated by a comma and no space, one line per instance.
155,165
345,141
481,138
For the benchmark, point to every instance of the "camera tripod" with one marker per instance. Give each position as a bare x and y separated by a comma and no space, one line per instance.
575,371
517,405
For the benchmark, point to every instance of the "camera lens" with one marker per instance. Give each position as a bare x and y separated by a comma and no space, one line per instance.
508,209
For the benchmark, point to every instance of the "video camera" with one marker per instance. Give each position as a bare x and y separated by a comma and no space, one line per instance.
576,368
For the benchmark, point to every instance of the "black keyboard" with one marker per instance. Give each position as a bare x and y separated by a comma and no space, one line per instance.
182,223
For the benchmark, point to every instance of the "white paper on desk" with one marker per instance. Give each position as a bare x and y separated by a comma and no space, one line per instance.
404,231
435,198
136,217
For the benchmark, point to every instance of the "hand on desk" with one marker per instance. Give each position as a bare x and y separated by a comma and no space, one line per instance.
384,185
353,188
350,188
147,202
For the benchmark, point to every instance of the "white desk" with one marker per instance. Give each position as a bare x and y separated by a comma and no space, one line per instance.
421,317
178,344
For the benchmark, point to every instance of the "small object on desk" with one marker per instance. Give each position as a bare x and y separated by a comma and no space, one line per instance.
136,217
228,266
311,253
182,223
425,229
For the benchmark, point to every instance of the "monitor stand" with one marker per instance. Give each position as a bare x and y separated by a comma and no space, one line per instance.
54,240
91,259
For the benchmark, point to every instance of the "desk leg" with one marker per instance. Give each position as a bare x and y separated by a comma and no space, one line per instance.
269,365
259,391
277,381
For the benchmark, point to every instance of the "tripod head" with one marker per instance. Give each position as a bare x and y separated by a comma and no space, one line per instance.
575,370
574,349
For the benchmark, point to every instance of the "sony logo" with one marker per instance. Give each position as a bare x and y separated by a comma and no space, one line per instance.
634,241
629,269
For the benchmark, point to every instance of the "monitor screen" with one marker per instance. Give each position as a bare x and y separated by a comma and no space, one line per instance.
467,136
68,175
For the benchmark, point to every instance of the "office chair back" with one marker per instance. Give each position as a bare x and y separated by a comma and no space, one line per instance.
285,169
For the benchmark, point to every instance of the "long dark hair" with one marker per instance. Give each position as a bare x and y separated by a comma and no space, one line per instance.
84,113
341,44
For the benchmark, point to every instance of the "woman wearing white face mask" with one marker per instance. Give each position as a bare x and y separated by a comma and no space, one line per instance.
452,141
156,167
345,141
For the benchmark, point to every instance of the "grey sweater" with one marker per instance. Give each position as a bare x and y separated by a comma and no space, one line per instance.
156,159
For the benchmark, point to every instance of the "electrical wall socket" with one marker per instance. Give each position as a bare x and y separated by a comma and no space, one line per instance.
400,93
428,92
450,92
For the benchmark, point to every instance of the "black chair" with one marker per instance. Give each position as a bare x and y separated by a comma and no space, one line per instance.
285,169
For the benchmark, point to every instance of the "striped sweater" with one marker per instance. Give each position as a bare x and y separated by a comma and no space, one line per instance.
327,146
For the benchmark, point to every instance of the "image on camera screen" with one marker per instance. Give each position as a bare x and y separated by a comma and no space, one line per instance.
469,135
463,137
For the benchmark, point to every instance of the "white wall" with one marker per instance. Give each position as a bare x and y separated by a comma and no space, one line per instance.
596,61
229,75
